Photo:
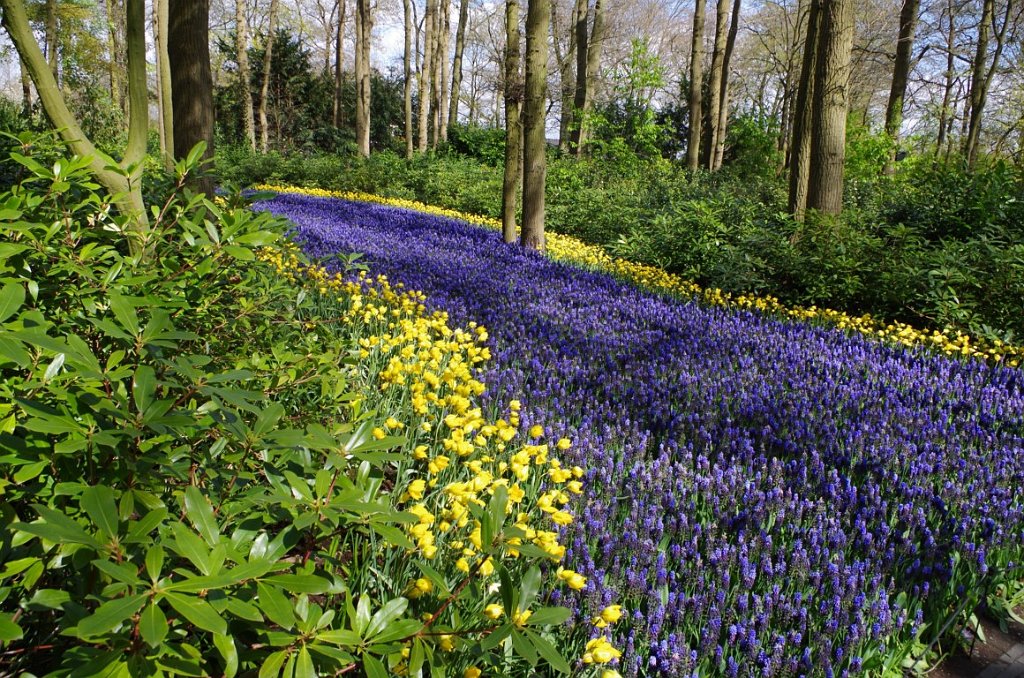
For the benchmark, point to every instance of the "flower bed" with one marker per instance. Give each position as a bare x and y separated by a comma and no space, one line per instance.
764,497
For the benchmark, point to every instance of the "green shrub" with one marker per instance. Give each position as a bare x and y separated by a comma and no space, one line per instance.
204,474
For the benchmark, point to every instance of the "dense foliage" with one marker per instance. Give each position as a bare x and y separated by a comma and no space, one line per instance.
934,245
766,497
219,459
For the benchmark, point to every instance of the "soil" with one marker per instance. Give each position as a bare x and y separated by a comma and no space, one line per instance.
982,655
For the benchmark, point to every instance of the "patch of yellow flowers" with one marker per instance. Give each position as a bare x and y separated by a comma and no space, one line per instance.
568,249
458,458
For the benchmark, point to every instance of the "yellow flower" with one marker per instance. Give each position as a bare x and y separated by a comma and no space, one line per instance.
609,615
563,444
494,611
447,642
415,490
600,651
420,588
573,580
522,617
472,672
536,431
379,433
610,673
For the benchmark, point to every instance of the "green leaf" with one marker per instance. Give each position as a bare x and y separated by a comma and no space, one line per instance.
496,637
48,599
272,665
243,609
549,652
124,311
529,587
54,367
108,615
362,617
198,611
374,667
275,605
391,611
508,591
155,561
300,583
524,648
548,615
304,664
143,387
192,547
99,504
201,514
9,630
58,528
340,637
399,629
226,646
153,625
12,296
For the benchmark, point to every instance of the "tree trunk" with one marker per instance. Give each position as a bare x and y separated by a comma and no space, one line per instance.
715,85
114,47
831,89
513,129
407,57
580,96
696,87
364,30
594,46
723,96
52,39
800,153
565,82
947,91
244,79
126,190
460,46
442,68
436,85
338,116
188,46
977,101
538,16
26,89
163,77
425,72
901,67
268,62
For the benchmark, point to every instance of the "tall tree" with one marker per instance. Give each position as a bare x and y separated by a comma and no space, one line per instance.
115,47
696,87
52,39
268,61
242,47
950,73
407,57
339,37
982,71
901,67
538,17
188,47
444,29
364,30
588,62
460,47
723,90
425,73
163,69
831,103
715,86
513,129
123,179
564,59
800,153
